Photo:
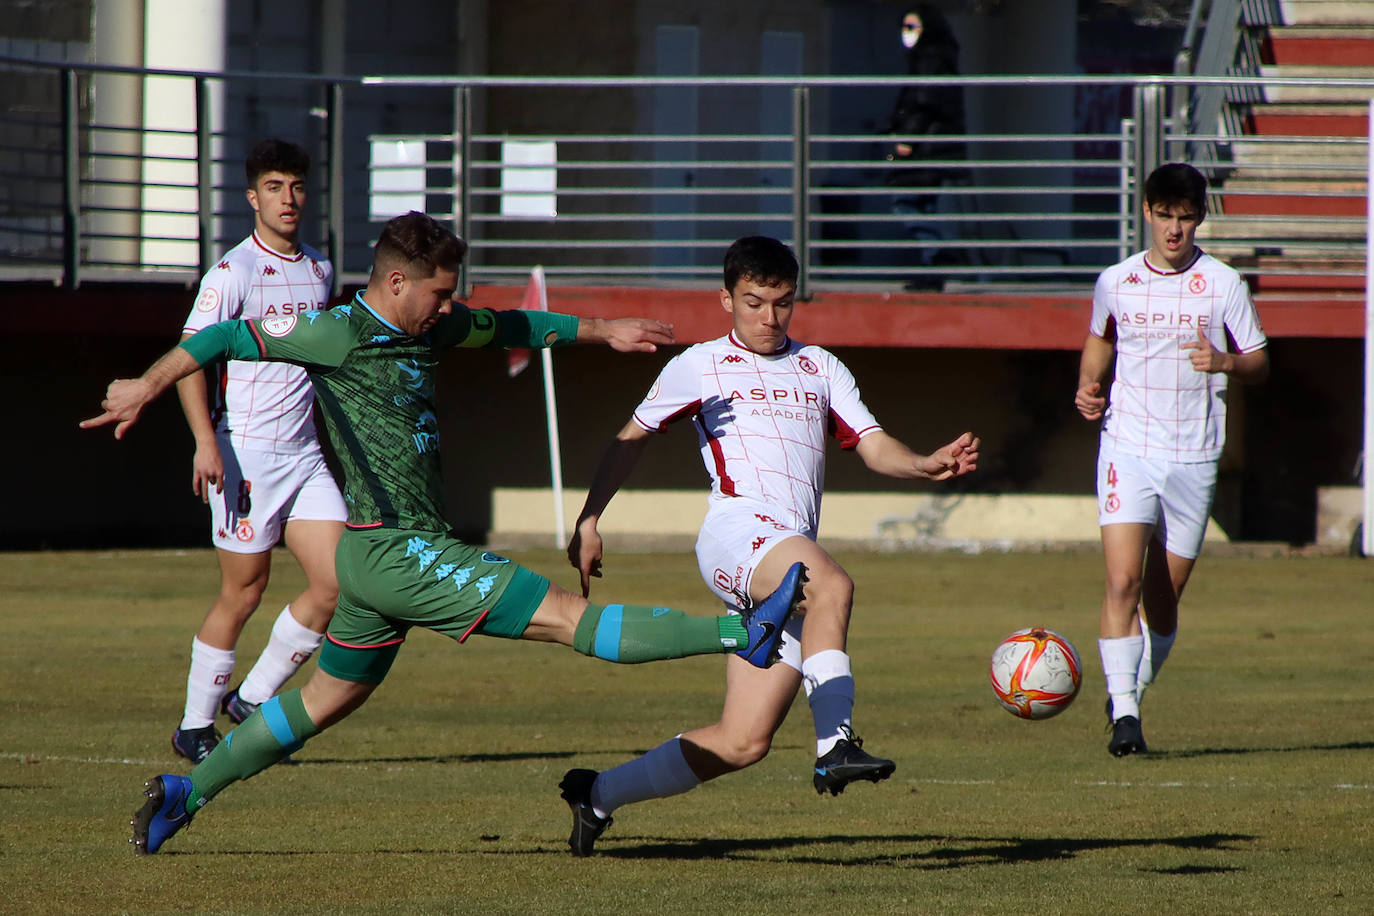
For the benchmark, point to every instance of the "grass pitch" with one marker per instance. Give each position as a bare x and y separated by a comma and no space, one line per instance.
440,795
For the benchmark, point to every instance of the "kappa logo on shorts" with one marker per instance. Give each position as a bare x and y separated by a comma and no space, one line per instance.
493,558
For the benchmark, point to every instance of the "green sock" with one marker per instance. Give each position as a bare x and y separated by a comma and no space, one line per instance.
278,728
629,633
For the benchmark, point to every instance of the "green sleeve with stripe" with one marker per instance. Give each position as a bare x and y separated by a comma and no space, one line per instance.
316,339
515,328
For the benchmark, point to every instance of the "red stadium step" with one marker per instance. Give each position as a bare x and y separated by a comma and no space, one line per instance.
1306,47
1292,205
1309,121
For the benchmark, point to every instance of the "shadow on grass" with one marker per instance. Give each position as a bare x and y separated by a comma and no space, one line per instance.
947,852
439,758
1233,751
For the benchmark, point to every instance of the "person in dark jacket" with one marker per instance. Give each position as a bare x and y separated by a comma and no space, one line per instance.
924,112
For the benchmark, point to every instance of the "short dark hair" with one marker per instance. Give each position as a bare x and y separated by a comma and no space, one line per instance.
1177,183
276,156
761,259
417,242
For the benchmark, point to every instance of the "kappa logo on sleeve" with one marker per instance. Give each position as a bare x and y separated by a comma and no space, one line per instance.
279,326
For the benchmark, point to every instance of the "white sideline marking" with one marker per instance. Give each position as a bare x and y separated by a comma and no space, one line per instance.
51,758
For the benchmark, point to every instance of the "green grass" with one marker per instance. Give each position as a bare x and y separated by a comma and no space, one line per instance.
440,795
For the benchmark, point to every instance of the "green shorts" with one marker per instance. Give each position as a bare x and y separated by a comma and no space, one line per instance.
393,579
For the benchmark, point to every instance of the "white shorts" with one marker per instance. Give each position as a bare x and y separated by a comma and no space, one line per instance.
263,491
1175,497
734,539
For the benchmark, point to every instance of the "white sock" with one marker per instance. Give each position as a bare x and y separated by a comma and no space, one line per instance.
211,669
291,646
1120,663
1157,647
830,691
660,773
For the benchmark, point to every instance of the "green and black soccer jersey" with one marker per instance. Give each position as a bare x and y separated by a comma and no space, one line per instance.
375,384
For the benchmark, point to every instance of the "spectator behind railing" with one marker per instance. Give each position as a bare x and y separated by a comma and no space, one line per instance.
925,110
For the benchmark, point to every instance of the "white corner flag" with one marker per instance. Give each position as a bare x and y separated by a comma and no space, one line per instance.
536,299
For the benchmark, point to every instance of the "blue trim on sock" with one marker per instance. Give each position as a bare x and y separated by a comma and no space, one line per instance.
607,644
275,717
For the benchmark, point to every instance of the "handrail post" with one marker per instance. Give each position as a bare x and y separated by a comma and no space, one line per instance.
801,187
463,128
71,184
1149,152
205,205
335,218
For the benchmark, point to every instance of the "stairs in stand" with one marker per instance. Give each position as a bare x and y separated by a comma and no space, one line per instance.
1290,208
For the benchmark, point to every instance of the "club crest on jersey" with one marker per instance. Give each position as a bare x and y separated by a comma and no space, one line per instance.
807,366
653,392
319,271
279,326
208,301
1197,283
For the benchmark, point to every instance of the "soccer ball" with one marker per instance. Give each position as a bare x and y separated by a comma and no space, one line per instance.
1036,673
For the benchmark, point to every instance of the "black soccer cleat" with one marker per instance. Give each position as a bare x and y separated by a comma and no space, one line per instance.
195,744
1127,738
846,762
587,827
236,707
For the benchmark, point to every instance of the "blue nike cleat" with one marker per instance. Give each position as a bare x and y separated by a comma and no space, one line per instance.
163,814
766,619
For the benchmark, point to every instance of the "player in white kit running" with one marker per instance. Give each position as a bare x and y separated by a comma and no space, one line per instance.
1180,324
258,461
763,406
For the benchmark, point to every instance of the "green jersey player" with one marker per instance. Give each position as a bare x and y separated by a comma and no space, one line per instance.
372,364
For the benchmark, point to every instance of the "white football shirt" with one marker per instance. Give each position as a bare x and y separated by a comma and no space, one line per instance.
263,406
762,419
1160,406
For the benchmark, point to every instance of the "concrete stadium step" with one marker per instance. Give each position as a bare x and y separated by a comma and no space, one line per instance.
1327,12
1329,157
1310,120
1273,273
1287,228
1316,93
1304,196
1350,46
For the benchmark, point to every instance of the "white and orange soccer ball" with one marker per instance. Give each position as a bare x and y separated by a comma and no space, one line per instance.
1036,673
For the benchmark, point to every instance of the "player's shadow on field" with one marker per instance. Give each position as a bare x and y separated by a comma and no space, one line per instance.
1183,754
441,758
922,851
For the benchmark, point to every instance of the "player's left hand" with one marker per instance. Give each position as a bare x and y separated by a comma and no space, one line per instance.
637,335
124,401
1205,357
955,459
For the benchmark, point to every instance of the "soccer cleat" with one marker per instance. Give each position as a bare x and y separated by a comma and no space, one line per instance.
163,814
195,744
1127,737
846,762
765,620
587,827
236,707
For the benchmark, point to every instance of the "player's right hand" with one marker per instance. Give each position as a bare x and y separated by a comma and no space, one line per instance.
584,553
1090,402
125,399
207,469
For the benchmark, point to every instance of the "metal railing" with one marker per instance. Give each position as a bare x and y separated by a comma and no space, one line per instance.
645,180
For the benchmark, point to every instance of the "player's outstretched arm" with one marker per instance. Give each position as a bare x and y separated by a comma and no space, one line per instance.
1092,369
584,550
628,335
888,456
126,397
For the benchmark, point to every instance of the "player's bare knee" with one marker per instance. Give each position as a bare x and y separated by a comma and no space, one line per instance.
830,594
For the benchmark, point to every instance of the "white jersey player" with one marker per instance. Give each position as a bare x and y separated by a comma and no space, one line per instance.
1179,324
258,459
764,407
